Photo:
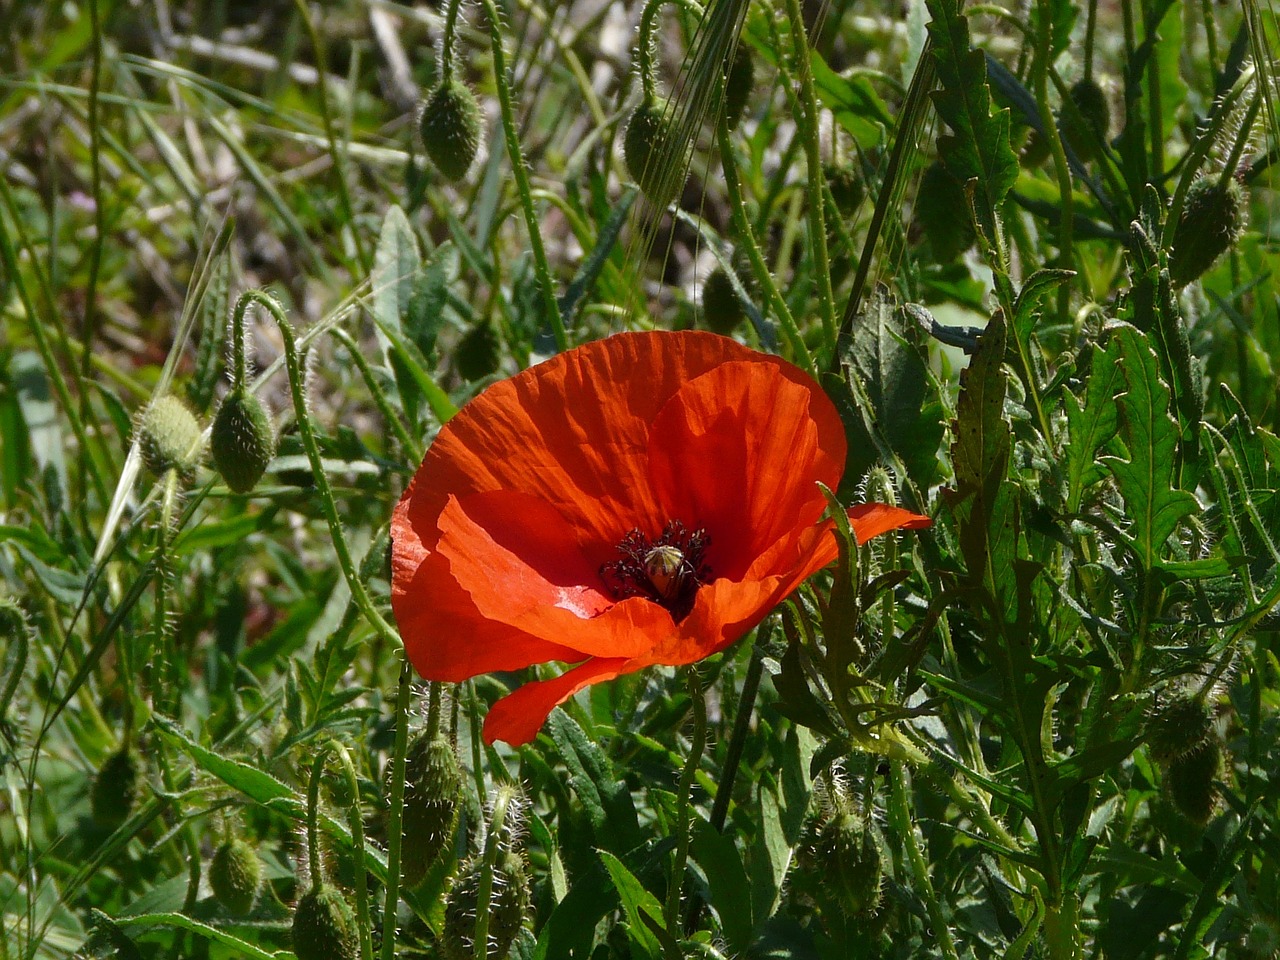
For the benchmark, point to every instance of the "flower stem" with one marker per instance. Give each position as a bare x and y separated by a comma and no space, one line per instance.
741,726
355,823
521,174
747,238
294,367
808,122
395,818
902,824
696,746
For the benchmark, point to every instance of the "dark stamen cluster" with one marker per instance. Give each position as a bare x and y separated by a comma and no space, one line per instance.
629,577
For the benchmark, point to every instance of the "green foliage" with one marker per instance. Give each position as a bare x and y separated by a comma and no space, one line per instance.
1045,727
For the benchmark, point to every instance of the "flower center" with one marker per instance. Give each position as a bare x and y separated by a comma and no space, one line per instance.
667,570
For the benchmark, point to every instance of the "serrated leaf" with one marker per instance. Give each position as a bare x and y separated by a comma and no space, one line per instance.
904,412
1090,424
1153,504
978,147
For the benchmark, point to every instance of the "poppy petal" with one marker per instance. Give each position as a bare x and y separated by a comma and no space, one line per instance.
739,451
515,718
446,638
518,560
872,519
572,431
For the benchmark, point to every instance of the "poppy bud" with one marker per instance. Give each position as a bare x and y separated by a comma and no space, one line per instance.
508,905
1090,102
115,789
738,82
1035,150
846,187
1190,781
848,859
324,927
942,213
1180,725
450,128
1212,219
479,352
645,149
169,436
721,309
433,789
235,874
1262,942
243,440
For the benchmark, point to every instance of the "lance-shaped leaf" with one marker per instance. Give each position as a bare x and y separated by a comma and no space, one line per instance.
979,144
1091,423
1154,505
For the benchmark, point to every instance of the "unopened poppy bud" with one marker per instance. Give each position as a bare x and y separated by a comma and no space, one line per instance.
1180,725
450,128
235,874
1090,102
1262,942
433,791
942,213
242,441
721,309
1212,219
645,147
478,353
508,906
846,186
739,80
115,789
849,860
1191,782
169,437
324,927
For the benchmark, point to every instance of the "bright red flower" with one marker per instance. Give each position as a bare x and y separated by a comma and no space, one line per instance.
644,499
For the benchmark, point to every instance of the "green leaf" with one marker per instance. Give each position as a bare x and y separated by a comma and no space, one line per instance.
430,299
1090,424
728,888
607,800
396,264
905,412
1153,504
241,948
978,147
854,102
636,900
591,268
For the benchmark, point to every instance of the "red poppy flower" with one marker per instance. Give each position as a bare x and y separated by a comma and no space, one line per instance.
644,499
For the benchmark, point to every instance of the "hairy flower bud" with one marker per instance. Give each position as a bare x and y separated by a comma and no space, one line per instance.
508,906
478,352
433,791
169,436
1191,782
235,874
115,789
847,189
1212,219
243,441
721,309
324,927
1090,130
450,128
1180,725
645,147
738,81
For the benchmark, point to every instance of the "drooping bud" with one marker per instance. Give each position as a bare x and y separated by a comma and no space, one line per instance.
1180,725
479,352
115,789
169,437
508,906
721,309
1191,781
1212,219
235,874
646,148
433,792
324,927
942,213
242,441
849,859
738,81
847,189
450,128
1090,102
